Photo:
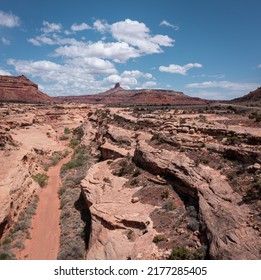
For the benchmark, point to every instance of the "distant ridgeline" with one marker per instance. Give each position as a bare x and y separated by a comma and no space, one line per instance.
118,95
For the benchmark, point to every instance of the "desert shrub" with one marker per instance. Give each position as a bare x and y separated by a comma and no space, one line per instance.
74,143
78,159
158,238
61,191
254,192
41,179
165,194
78,132
182,253
169,206
64,137
19,245
134,181
124,168
6,256
67,130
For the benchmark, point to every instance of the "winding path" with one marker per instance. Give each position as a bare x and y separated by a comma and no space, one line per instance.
45,231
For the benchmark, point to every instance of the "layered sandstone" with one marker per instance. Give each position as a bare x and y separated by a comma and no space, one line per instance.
121,225
21,89
222,219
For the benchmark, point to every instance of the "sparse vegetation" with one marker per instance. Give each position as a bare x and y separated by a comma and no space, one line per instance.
165,194
67,130
182,253
254,192
169,206
158,238
78,159
41,179
64,137
19,232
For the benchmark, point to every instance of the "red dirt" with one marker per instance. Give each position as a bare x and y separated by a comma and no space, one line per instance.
45,232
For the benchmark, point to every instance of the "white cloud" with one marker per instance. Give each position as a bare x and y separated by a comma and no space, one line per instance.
166,23
178,69
9,20
94,65
224,85
80,27
52,39
101,25
5,73
125,81
5,41
138,35
35,68
51,27
136,74
259,66
60,79
117,51
149,84
113,79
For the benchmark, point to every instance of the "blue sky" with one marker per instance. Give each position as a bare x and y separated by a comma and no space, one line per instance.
210,49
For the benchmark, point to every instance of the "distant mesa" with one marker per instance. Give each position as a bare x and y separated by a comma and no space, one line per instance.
21,89
119,95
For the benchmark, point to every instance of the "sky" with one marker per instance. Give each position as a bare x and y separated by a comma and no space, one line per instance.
209,49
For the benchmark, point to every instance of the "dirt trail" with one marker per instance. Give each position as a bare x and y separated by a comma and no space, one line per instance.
45,231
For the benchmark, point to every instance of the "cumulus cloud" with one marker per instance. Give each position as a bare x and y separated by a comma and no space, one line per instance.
78,66
224,85
136,74
130,78
166,23
101,26
80,27
178,69
5,41
60,79
9,20
138,35
52,39
49,27
117,51
5,73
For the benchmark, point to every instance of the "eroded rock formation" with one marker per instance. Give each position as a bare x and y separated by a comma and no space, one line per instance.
21,89
222,218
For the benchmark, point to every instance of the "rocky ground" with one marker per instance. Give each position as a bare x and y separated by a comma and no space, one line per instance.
142,183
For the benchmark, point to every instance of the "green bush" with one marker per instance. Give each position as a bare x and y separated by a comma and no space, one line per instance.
64,137
169,206
73,143
67,130
165,194
41,179
182,253
158,238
